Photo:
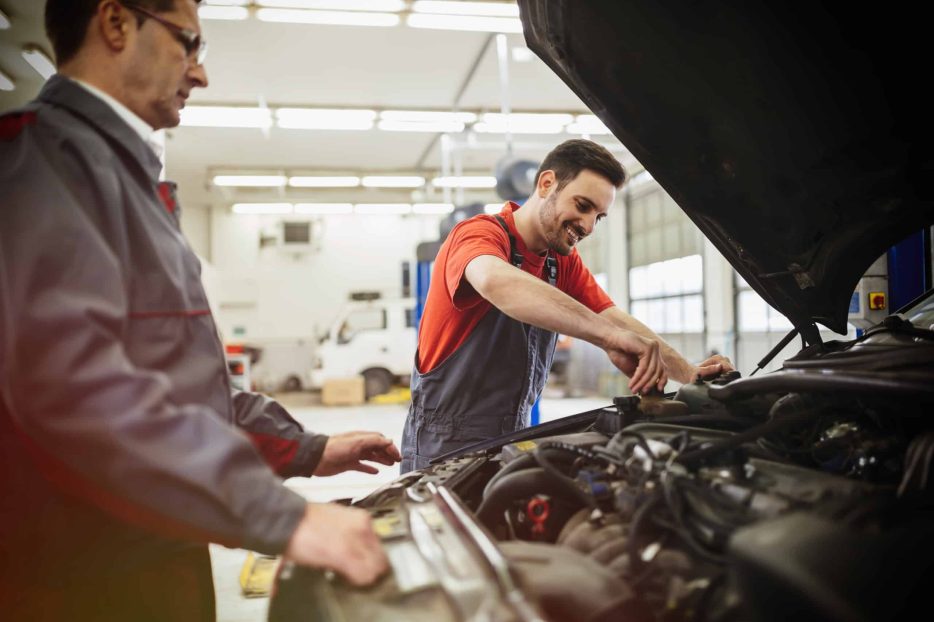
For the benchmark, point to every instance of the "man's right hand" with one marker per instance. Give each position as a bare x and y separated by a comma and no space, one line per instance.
341,539
639,358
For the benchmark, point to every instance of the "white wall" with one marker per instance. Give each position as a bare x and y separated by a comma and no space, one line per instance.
267,293
196,225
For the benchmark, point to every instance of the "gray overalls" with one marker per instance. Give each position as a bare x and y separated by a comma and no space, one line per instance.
485,388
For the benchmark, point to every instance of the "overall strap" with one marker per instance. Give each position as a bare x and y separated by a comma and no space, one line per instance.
551,262
515,257
551,266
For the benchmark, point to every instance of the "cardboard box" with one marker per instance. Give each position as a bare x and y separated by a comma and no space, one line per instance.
343,392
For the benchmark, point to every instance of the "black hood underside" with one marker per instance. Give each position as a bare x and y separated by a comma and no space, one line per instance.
797,137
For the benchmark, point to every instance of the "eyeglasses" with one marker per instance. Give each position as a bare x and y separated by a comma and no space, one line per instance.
195,45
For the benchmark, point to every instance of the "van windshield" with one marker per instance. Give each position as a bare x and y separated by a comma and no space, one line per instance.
357,321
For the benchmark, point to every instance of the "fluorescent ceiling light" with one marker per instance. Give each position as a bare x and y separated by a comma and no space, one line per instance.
433,208
427,116
520,118
424,120
382,208
519,123
522,54
325,119
464,22
450,7
262,208
389,6
421,126
324,208
228,2
587,124
324,182
6,82
500,128
226,116
250,181
464,182
586,130
493,208
4,21
207,11
393,181
38,60
333,18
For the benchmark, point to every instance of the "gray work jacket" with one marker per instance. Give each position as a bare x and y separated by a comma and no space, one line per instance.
120,435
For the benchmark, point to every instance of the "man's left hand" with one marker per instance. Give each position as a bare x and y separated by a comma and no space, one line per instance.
346,452
714,366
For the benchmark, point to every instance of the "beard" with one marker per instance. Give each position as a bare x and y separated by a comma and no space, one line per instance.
555,235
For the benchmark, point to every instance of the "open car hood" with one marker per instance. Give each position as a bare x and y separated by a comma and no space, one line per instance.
796,138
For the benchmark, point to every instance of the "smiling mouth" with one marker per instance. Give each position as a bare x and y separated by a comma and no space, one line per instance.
574,234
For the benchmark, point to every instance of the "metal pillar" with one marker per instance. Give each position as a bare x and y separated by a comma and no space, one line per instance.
422,280
909,272
425,254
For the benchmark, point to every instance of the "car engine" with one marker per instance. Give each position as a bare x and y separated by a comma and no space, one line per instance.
804,492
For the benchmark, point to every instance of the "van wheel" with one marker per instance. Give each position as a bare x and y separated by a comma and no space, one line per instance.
376,382
291,384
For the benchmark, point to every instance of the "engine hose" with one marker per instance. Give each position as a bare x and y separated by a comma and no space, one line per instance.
779,419
613,445
525,461
824,381
583,452
727,420
887,358
681,528
541,456
635,526
524,484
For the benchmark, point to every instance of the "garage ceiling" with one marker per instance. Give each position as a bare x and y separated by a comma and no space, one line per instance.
255,63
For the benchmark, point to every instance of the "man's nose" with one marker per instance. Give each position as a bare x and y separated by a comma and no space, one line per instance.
198,75
590,221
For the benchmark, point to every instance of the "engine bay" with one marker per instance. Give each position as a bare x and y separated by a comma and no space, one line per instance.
805,492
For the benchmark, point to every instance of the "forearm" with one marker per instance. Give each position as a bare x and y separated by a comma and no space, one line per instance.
282,442
679,368
527,299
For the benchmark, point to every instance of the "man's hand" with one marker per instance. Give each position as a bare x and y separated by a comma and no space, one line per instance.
345,452
341,539
713,366
640,359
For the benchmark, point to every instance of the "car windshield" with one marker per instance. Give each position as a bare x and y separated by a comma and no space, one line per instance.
921,313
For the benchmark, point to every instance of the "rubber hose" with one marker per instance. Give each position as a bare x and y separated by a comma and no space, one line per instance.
524,484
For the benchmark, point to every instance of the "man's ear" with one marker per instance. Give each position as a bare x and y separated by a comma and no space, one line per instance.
113,23
546,181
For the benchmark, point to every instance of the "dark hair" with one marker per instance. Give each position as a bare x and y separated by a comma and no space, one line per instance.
66,22
569,158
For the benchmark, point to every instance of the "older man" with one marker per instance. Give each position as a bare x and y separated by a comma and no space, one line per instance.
123,448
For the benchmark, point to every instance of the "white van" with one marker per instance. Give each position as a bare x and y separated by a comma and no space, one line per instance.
372,338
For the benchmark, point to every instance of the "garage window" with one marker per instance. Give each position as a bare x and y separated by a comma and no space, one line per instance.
759,328
666,273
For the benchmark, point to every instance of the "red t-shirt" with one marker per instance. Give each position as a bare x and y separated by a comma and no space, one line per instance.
454,308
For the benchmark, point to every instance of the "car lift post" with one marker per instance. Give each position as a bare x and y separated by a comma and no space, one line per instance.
909,269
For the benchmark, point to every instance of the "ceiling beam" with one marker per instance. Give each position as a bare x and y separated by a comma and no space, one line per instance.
457,98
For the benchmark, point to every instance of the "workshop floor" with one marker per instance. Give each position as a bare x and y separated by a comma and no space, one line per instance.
387,419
